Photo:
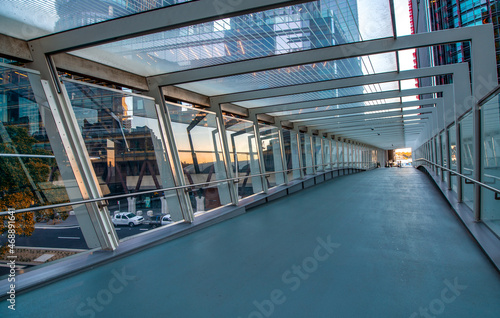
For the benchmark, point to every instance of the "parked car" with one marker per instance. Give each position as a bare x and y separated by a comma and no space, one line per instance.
160,220
127,218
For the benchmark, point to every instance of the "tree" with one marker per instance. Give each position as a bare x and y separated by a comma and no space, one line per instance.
21,180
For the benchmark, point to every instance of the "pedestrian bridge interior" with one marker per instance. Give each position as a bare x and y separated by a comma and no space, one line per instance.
262,129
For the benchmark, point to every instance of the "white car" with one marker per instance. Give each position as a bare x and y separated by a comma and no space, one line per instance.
160,220
127,218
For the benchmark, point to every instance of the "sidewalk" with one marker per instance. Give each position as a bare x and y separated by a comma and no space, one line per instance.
71,221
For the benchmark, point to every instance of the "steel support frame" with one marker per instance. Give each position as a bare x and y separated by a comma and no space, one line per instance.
184,208
233,187
74,146
253,118
460,70
152,21
479,34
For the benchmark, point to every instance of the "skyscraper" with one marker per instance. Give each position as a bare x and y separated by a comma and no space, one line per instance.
434,15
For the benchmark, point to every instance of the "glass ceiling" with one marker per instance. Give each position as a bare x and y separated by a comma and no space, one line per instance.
301,74
332,93
29,19
301,27
333,107
354,116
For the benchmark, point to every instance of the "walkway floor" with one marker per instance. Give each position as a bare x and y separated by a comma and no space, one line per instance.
382,243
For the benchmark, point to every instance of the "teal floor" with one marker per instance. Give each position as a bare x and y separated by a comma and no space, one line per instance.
382,243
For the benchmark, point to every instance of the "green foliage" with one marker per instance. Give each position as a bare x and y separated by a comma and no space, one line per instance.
16,190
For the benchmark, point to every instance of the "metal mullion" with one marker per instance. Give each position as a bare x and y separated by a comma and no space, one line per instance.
74,145
282,150
184,207
253,118
233,187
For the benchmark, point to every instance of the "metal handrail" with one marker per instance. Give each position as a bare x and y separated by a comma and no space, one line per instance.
120,196
461,175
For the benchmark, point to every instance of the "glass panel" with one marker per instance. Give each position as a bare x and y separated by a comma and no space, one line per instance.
467,159
491,162
32,18
452,133
271,150
306,151
290,138
244,155
346,155
35,171
300,27
336,106
288,76
334,154
123,139
198,143
318,155
437,146
327,154
341,155
340,92
444,154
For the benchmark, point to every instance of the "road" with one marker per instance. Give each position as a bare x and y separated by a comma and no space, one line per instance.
66,237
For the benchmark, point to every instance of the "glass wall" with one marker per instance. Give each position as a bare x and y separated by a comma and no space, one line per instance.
35,171
341,146
244,155
452,134
334,154
318,154
271,150
346,155
198,143
123,139
290,139
327,155
467,158
437,145
444,154
306,152
491,162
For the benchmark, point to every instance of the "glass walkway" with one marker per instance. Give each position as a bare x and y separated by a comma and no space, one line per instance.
225,158
392,247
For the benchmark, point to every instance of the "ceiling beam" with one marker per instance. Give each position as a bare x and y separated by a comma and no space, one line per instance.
361,109
14,49
460,69
80,66
325,54
350,99
152,21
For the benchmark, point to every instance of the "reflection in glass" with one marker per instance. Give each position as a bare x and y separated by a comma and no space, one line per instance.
467,159
318,154
34,168
491,162
452,134
29,174
271,151
306,152
444,154
200,150
123,139
327,154
341,154
299,27
244,155
437,146
335,161
290,139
